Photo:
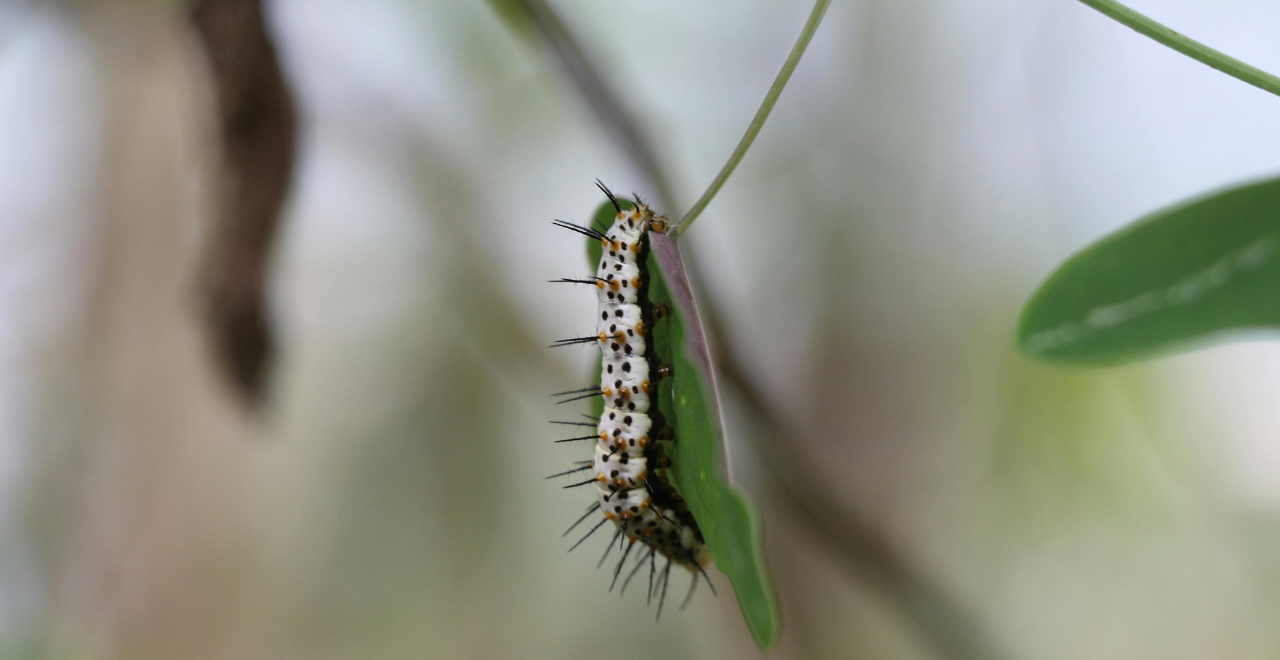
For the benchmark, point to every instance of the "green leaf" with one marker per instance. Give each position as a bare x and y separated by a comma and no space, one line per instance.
689,402
1179,274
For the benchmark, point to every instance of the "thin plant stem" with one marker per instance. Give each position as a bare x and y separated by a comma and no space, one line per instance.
1189,47
766,106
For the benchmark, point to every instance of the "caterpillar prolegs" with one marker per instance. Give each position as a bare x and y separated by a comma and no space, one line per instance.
630,466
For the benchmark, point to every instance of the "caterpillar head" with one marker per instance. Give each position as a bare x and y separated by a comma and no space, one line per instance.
659,223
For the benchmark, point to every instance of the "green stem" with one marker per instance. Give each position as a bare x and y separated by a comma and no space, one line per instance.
802,42
1189,47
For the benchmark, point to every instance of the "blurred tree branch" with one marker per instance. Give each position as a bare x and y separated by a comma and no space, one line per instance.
863,550
536,19
258,131
951,630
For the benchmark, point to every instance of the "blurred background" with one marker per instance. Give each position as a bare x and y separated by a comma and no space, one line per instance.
379,492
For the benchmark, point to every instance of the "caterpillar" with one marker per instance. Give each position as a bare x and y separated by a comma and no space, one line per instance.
630,466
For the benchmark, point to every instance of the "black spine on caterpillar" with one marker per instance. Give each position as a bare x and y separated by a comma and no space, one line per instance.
630,466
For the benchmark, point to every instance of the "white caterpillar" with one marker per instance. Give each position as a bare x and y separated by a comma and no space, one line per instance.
629,464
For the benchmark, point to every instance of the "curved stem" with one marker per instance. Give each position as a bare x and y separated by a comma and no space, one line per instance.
766,106
1189,47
